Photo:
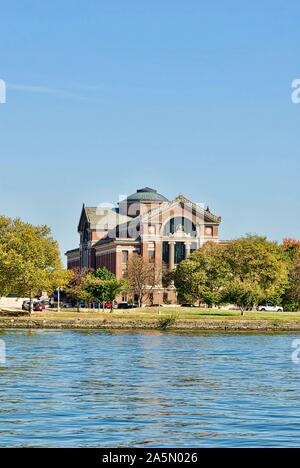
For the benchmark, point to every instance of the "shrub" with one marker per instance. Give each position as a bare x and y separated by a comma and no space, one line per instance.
167,321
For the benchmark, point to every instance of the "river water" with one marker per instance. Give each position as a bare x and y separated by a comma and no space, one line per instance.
162,389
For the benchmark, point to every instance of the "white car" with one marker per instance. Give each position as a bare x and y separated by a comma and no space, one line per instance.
269,308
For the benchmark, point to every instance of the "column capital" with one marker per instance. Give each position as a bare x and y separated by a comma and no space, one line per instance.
171,242
188,242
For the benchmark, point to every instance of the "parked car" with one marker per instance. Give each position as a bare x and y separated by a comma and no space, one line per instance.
25,305
125,305
267,307
36,306
67,305
103,305
46,304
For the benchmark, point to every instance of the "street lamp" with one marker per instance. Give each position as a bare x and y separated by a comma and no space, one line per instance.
58,299
158,292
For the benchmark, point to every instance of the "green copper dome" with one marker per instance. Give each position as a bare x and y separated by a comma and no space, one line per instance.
147,194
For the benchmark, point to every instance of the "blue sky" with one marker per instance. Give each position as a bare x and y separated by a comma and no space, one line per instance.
187,97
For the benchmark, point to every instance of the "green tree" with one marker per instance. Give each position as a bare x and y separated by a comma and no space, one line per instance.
245,271
103,285
29,259
291,297
258,271
203,276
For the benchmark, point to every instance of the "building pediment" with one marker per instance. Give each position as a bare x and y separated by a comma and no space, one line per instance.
183,206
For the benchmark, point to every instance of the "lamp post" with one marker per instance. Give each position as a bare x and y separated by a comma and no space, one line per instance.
58,299
158,292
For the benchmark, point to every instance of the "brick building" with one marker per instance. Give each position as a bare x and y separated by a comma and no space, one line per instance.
145,223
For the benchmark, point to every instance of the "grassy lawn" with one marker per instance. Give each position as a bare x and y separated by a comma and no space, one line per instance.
152,313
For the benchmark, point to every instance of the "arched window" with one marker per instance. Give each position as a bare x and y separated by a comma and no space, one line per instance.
180,224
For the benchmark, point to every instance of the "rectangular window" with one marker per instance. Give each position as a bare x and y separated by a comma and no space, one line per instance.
124,256
151,255
179,252
165,253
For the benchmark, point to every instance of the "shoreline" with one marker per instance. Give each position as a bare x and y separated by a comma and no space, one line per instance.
149,324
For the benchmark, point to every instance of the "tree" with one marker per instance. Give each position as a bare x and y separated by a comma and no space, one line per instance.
202,277
291,297
291,247
103,285
258,271
9,268
142,277
76,287
29,259
245,271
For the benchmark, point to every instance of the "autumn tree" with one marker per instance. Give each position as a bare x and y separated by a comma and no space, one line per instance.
142,277
291,247
76,288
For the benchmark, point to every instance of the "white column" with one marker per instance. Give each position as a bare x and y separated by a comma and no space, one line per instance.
171,255
187,249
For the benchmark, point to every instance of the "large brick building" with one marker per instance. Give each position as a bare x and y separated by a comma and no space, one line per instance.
145,223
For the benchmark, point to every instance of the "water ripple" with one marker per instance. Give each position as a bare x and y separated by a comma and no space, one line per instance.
98,389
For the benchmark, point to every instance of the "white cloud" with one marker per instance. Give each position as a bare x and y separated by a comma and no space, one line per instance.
59,93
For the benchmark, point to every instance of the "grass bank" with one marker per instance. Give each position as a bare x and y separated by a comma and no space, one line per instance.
150,318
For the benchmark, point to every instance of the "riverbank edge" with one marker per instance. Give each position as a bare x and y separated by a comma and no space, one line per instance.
180,324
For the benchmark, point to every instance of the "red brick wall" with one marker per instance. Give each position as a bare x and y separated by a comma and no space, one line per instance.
215,231
73,264
107,260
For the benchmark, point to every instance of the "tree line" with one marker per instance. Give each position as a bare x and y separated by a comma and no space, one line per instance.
245,271
30,263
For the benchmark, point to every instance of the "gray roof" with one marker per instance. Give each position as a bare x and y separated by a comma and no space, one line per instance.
146,194
97,216
73,251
